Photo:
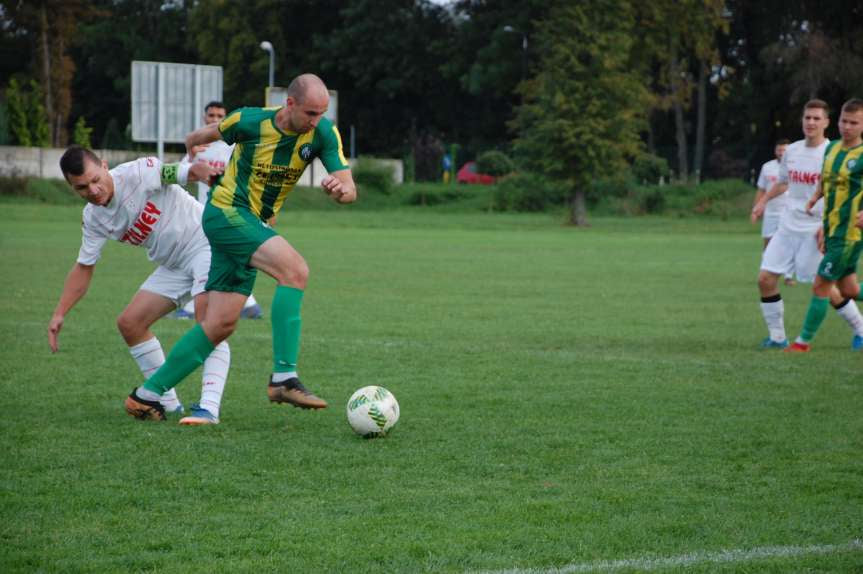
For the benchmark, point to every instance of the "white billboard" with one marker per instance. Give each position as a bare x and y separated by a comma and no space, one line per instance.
168,99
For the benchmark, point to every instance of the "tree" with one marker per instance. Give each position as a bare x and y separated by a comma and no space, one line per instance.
118,32
18,116
81,135
583,111
28,121
51,27
678,48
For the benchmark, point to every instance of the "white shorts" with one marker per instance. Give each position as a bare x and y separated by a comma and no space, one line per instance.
180,284
790,252
770,224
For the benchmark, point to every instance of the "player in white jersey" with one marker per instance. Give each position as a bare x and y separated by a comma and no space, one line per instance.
795,245
138,204
217,154
767,177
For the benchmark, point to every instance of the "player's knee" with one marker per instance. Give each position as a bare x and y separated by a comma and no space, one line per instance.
851,291
219,328
295,275
129,327
767,283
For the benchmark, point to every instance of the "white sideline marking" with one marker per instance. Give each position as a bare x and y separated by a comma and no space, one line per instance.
691,559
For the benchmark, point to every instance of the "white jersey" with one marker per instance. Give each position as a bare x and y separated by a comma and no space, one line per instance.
801,170
143,212
768,176
217,154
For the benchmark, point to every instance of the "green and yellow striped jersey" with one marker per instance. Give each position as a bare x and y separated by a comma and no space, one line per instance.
841,179
267,162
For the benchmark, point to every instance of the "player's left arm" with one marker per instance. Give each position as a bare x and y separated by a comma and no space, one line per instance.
340,186
201,137
184,172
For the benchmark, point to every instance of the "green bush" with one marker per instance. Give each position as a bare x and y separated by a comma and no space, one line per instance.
724,197
494,163
619,186
650,169
371,175
528,192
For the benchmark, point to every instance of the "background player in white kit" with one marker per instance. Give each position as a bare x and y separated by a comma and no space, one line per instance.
767,177
217,155
136,203
795,245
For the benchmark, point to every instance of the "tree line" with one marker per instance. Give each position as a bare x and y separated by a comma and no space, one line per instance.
573,90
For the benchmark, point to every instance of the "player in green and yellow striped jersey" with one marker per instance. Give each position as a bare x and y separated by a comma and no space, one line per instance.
842,187
272,148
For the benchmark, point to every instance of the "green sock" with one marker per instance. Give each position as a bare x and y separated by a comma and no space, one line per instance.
814,316
286,322
186,356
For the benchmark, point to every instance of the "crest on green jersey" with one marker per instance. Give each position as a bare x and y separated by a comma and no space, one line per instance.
305,152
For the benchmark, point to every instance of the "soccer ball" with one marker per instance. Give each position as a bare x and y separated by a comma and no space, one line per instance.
372,411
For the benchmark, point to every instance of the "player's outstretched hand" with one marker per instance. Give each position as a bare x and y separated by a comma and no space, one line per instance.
859,222
819,238
54,332
811,203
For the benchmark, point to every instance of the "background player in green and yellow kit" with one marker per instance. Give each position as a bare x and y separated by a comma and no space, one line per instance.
842,188
272,147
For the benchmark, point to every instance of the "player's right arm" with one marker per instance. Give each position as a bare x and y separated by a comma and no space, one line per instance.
760,189
819,192
775,191
759,194
76,285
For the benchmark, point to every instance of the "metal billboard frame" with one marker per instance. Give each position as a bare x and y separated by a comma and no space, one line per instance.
168,99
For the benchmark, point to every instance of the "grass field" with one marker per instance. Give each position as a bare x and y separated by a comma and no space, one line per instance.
581,400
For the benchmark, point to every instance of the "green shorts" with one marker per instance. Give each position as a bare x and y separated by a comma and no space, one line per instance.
840,258
234,235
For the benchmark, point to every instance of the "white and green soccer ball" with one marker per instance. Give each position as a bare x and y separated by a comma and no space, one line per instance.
372,411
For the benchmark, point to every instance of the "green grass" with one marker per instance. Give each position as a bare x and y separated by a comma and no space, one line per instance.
567,396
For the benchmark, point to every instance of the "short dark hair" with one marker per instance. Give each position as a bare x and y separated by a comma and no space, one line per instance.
853,105
783,141
816,103
72,161
214,104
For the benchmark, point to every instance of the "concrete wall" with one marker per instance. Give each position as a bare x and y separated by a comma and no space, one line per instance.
45,163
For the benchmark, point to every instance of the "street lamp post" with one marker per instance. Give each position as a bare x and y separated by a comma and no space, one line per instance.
266,46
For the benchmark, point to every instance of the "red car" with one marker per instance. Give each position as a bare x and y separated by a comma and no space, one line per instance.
469,174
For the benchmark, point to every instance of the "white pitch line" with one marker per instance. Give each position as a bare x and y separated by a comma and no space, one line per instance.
691,559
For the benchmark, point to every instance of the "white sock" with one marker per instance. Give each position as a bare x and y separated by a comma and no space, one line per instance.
282,377
774,317
851,313
215,374
149,356
147,394
250,302
189,307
